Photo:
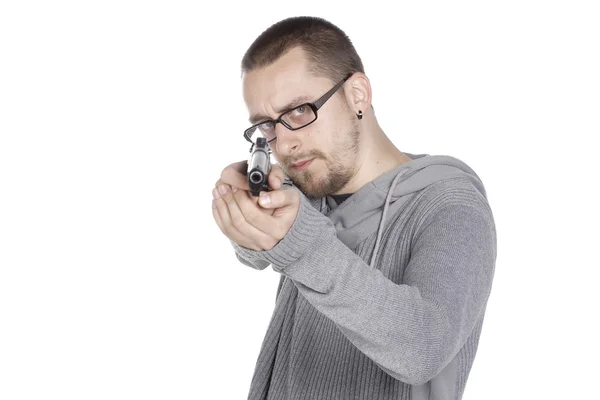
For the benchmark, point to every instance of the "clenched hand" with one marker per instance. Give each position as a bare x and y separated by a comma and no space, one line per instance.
257,223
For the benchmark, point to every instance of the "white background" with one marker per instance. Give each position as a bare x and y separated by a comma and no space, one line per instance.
117,117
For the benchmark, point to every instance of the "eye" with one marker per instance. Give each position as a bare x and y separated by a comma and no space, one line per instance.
300,116
267,128
298,111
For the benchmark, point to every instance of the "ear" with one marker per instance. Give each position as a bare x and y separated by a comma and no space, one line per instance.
358,93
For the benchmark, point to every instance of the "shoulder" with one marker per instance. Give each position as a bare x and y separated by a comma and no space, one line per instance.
452,196
453,191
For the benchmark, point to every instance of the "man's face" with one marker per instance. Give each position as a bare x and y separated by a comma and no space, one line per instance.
331,142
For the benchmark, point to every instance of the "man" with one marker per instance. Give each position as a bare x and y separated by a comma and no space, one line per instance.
386,257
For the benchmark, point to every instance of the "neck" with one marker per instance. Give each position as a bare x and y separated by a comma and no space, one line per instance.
377,156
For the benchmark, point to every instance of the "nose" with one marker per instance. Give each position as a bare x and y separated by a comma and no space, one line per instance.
288,142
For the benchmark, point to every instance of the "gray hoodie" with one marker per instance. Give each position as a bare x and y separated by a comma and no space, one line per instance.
384,295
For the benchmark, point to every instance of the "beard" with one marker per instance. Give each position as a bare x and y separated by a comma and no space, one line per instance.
339,166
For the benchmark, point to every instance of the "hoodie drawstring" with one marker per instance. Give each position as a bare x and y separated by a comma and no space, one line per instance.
385,209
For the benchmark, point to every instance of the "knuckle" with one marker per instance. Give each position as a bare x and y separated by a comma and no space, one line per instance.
278,197
281,232
238,221
228,197
251,216
265,244
224,171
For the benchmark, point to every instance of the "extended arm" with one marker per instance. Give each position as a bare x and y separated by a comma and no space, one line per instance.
411,330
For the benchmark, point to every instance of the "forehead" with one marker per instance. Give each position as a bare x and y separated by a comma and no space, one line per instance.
272,87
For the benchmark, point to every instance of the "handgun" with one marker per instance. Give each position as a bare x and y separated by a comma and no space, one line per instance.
259,166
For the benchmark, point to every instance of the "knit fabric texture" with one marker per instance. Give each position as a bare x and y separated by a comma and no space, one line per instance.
406,327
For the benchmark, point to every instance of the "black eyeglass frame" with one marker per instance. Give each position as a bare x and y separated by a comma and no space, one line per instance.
314,106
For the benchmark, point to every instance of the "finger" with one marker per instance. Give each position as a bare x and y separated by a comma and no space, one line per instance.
232,214
257,216
278,198
236,237
219,220
254,199
220,214
223,219
276,177
240,166
241,242
235,175
247,200
219,183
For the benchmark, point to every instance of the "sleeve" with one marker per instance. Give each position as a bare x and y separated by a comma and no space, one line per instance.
411,330
246,257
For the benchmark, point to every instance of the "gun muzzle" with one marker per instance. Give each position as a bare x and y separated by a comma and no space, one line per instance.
259,166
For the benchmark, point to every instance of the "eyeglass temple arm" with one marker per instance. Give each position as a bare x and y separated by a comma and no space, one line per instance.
327,95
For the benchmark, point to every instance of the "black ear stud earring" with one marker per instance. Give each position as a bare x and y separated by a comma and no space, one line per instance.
359,115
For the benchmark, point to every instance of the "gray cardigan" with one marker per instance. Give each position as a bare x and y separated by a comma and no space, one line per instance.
383,296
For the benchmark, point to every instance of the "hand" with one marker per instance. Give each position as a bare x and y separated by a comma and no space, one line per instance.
235,175
246,221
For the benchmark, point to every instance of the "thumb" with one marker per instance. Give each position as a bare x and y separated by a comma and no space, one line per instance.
278,198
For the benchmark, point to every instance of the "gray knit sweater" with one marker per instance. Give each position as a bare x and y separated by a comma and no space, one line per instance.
383,296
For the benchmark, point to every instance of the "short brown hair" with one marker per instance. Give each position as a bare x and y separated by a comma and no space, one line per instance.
329,50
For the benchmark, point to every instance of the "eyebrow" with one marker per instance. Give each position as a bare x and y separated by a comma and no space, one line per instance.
296,101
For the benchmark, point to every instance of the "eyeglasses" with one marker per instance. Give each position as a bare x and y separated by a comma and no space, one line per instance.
294,119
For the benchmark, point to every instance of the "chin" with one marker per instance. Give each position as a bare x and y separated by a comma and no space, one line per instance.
308,184
320,178
314,186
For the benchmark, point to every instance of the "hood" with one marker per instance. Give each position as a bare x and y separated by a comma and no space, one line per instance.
366,210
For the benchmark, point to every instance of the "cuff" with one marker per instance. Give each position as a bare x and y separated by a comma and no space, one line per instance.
308,227
306,230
